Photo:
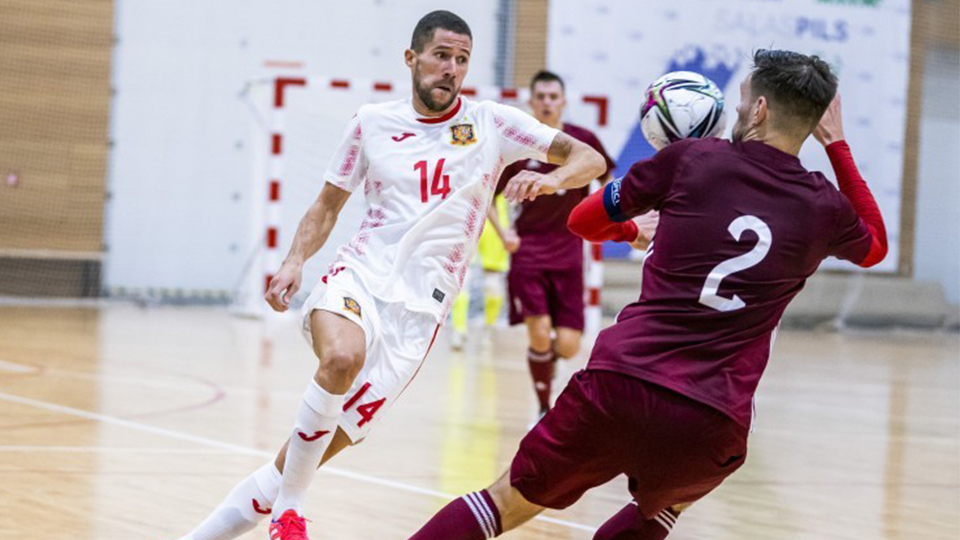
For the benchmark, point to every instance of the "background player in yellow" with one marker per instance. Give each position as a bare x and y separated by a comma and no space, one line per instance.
497,242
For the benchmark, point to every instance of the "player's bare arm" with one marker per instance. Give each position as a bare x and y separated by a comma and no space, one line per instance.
312,234
509,237
579,164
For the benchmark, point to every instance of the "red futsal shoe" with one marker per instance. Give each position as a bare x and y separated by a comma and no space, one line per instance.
290,526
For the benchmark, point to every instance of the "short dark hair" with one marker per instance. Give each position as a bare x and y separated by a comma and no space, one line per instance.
430,22
546,76
798,87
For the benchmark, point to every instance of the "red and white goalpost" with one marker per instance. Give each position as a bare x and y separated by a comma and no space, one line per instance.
297,123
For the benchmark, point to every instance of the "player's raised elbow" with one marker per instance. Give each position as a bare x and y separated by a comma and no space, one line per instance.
575,223
586,162
581,223
874,257
878,251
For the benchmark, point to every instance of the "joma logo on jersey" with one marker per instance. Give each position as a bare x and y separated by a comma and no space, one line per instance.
403,136
462,135
352,306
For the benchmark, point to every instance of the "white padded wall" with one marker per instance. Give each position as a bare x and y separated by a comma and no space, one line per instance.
180,212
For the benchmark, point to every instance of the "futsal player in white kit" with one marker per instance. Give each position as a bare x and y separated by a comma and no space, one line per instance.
428,167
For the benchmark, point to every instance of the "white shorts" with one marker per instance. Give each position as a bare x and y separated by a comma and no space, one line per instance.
397,343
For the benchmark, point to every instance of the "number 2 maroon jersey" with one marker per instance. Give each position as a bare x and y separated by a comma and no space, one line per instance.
742,226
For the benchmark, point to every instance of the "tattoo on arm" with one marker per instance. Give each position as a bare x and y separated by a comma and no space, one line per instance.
560,149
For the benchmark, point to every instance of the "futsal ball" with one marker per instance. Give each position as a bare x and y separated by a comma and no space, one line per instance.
681,105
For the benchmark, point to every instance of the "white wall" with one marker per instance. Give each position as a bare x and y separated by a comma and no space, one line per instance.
937,250
626,47
180,212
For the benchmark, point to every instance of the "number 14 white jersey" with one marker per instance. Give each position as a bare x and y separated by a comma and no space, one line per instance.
427,183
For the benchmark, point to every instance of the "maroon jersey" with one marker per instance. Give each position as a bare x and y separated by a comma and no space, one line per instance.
742,226
545,241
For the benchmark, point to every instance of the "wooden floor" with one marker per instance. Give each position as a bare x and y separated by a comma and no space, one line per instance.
125,423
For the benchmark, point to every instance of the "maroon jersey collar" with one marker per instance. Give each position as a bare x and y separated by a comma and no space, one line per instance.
441,119
769,152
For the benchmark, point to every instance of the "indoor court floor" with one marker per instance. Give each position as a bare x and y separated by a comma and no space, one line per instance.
122,422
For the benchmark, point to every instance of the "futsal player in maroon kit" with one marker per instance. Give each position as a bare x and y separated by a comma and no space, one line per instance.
545,281
666,397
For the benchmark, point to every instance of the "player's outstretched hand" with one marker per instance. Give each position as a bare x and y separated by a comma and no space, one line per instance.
647,224
283,286
830,128
527,185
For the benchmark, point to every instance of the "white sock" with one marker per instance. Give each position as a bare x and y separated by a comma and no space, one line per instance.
315,427
248,503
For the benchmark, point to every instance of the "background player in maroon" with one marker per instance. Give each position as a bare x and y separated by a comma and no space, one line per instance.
667,395
545,280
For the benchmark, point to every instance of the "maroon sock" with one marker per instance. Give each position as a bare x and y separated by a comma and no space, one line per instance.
629,524
471,517
542,365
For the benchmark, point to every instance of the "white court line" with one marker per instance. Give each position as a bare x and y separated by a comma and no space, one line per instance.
17,368
161,382
112,449
213,443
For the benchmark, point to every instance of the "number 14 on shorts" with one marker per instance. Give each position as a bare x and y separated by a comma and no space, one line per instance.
366,410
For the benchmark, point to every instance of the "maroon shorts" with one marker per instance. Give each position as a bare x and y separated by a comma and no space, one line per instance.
673,449
557,293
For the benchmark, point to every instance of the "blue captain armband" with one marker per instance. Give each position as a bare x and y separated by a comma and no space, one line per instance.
611,201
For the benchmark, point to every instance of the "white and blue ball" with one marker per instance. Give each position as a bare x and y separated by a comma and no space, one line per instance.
681,105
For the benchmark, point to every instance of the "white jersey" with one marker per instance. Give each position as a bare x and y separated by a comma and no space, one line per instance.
428,183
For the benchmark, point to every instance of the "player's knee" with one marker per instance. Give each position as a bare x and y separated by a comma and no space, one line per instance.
341,365
539,336
567,346
540,343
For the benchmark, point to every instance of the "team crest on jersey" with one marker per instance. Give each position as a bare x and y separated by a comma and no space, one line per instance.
351,305
462,135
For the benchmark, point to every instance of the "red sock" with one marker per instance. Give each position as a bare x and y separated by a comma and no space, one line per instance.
542,365
471,517
629,524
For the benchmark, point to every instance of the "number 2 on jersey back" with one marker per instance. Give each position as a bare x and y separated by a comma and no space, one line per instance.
439,186
708,295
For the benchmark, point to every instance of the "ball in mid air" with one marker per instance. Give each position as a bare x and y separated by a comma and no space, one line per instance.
681,105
